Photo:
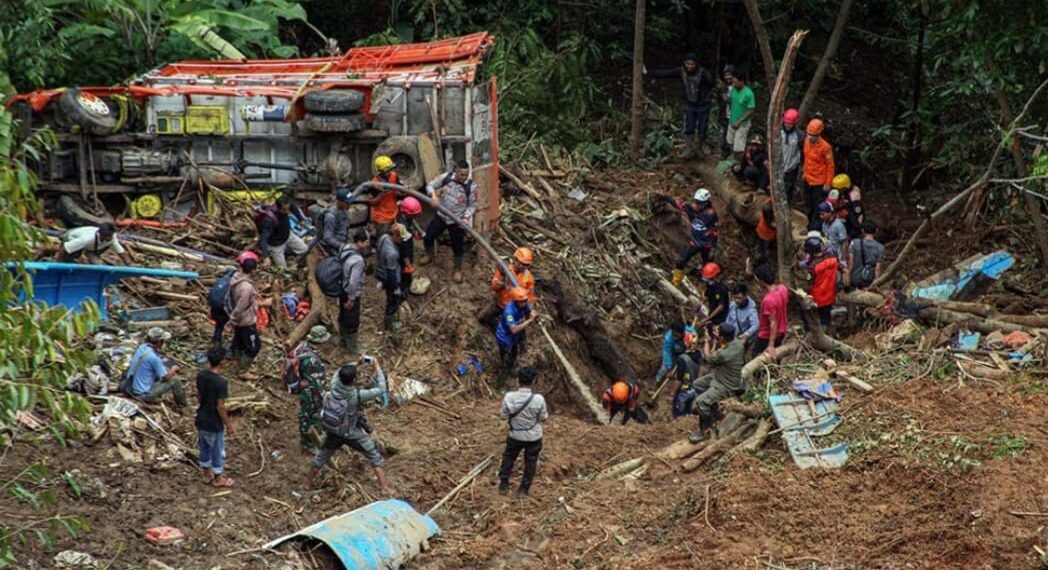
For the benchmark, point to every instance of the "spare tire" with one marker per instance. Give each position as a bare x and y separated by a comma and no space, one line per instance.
404,152
74,215
333,101
87,110
335,123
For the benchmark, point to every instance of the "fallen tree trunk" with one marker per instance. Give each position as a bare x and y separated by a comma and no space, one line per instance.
681,449
936,312
716,447
620,468
763,359
745,204
318,304
573,375
756,441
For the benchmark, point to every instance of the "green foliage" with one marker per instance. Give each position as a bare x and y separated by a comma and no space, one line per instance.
1007,446
31,486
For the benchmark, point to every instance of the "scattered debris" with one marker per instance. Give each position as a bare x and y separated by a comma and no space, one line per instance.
164,535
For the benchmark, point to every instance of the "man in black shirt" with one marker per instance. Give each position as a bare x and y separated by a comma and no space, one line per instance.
212,418
698,85
717,295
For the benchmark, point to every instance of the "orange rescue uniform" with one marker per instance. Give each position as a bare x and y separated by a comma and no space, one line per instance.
384,206
818,162
502,289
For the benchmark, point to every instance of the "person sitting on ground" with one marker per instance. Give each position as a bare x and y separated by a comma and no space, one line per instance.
410,210
673,345
864,258
833,229
752,169
849,205
388,274
456,192
344,422
92,241
520,265
702,220
212,418
244,304
623,396
742,314
525,411
724,379
682,396
766,235
151,376
717,295
824,266
384,204
304,364
698,86
772,319
510,331
818,170
275,237
333,223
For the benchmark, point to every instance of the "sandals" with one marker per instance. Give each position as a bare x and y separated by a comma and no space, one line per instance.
222,481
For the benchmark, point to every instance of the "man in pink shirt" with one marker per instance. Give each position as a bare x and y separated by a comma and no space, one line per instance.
772,319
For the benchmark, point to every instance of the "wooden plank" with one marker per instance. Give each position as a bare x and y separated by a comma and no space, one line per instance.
429,154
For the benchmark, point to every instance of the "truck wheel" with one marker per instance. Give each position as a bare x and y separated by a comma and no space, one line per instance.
73,215
335,123
404,152
333,101
87,110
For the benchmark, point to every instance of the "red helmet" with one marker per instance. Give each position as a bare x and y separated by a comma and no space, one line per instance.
791,116
711,270
410,206
246,256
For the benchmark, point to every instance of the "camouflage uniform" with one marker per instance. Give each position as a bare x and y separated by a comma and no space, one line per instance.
311,399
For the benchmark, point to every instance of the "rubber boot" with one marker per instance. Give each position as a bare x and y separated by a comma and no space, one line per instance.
387,323
426,257
349,343
678,278
705,424
689,143
395,325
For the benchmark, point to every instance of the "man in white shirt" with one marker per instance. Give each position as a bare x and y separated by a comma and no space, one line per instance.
92,241
525,411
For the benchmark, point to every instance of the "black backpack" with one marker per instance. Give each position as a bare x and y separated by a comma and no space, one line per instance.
292,367
218,296
468,184
329,272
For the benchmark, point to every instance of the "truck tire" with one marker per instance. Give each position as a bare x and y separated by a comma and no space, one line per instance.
335,123
87,110
404,152
73,215
333,101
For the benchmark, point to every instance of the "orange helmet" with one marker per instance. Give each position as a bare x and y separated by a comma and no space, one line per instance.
815,127
518,294
711,270
620,392
523,255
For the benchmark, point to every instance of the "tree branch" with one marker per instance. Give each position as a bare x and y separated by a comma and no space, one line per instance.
762,41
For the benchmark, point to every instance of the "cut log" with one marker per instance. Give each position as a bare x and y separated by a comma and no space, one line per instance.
853,381
576,380
762,359
524,186
750,411
681,449
756,441
318,303
936,312
620,469
176,296
746,204
717,447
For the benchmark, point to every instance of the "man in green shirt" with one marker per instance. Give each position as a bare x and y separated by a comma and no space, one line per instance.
740,110
723,381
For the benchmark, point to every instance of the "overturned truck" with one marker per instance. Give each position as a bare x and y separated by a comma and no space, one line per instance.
298,125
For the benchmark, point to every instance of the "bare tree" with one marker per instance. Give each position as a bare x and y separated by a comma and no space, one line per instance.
827,58
762,41
637,103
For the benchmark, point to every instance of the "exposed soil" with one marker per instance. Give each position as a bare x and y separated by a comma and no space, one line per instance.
911,495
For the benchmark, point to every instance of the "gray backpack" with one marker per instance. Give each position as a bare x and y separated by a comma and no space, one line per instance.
338,415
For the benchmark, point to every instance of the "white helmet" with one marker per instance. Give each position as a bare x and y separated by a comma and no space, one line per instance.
702,195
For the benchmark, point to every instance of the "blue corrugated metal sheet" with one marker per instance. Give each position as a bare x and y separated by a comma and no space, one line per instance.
382,535
799,426
70,284
944,285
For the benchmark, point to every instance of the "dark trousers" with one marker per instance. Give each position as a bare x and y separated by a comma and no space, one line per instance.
348,319
761,344
725,146
406,249
789,180
246,342
825,315
697,119
436,227
813,196
508,355
393,297
221,320
689,252
509,457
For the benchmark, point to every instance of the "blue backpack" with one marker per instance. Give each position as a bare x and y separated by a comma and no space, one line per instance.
218,296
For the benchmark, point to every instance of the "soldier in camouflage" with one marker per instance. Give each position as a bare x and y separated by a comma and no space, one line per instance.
312,375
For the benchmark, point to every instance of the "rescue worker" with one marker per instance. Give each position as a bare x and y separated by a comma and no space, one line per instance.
309,368
334,222
275,237
354,432
849,205
717,295
352,288
824,266
682,396
792,146
457,193
93,242
410,210
673,345
388,273
520,265
702,219
621,396
726,356
818,170
525,411
244,301
698,84
510,331
384,204
766,234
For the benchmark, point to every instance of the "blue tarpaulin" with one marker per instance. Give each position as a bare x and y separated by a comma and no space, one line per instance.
70,284
945,285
